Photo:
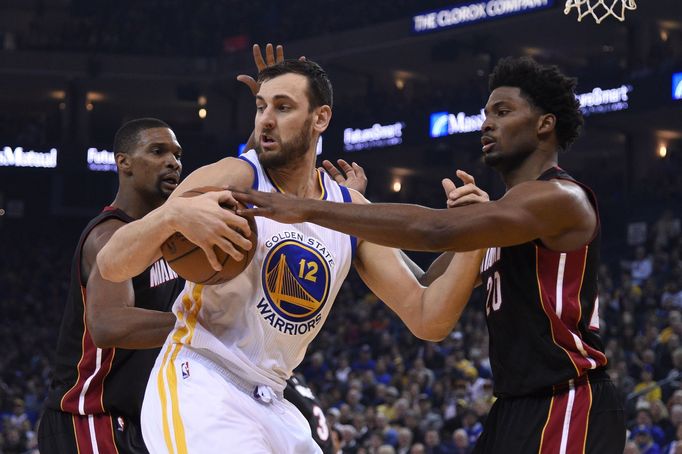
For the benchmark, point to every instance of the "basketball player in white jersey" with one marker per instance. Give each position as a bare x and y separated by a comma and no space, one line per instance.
217,384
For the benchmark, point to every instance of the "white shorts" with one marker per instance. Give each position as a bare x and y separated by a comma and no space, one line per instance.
194,406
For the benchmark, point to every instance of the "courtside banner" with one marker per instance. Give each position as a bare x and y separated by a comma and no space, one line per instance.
20,157
469,13
677,85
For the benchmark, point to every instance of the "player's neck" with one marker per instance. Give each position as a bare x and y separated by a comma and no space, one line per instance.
299,178
134,205
530,169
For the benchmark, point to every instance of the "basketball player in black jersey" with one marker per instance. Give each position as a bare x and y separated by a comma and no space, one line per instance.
110,332
540,270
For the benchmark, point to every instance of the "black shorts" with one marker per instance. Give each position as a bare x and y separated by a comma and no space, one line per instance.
587,419
64,433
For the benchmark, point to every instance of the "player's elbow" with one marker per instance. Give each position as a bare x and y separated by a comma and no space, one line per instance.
103,334
430,332
432,335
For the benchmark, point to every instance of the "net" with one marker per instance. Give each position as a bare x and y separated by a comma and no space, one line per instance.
600,9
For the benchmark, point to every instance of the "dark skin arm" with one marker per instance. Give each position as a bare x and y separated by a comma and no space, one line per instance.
456,196
353,176
111,316
557,212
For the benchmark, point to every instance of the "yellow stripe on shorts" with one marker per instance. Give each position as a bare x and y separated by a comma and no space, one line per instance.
171,375
162,397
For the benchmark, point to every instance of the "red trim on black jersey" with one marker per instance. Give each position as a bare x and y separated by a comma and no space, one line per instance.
560,276
103,436
90,375
566,428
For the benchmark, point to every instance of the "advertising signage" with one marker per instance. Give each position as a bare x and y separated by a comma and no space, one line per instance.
473,12
677,85
446,124
376,136
598,100
603,100
101,160
19,157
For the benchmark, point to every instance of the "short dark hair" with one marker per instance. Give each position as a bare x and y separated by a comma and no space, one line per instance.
127,136
320,90
547,89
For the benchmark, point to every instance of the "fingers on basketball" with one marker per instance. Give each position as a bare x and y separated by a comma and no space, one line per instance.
212,264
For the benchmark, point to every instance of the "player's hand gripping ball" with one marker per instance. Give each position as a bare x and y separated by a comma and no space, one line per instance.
189,260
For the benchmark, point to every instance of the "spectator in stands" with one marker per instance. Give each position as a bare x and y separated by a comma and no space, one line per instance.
643,419
675,446
644,441
641,267
647,386
666,228
432,443
461,442
404,440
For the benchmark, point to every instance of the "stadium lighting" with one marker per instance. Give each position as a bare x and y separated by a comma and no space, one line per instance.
662,150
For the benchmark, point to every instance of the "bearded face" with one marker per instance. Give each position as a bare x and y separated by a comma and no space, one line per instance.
279,152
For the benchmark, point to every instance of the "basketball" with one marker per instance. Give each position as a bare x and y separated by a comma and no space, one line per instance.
189,260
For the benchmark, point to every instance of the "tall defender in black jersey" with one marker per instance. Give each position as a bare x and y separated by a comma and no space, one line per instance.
298,393
540,272
96,392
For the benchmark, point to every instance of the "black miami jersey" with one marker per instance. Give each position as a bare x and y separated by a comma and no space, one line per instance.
88,380
542,311
302,397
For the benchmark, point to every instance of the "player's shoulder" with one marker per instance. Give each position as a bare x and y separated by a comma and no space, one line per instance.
99,234
95,238
229,171
228,164
556,191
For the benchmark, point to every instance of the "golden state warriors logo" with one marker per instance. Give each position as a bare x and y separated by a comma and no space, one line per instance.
295,278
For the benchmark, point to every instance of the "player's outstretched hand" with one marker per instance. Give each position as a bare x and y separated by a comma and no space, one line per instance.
279,207
273,55
350,175
204,222
466,194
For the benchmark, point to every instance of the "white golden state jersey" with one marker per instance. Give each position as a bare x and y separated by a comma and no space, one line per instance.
259,324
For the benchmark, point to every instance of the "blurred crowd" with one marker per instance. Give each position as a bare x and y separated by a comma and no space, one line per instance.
383,390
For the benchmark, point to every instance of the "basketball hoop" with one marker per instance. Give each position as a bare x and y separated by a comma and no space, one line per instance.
600,9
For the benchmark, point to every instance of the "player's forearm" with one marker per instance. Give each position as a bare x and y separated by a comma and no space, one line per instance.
437,268
415,269
131,327
445,299
135,246
401,226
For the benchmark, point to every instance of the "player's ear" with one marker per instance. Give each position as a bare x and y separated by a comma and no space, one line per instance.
546,123
123,163
321,118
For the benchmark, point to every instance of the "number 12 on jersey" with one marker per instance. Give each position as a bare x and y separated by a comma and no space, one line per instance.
493,300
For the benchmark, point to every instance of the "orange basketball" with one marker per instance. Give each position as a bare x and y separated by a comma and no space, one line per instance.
189,260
